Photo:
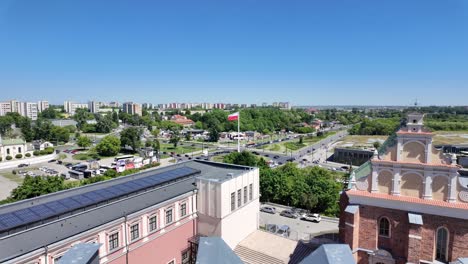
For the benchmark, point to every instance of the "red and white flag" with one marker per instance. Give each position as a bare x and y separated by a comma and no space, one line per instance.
233,117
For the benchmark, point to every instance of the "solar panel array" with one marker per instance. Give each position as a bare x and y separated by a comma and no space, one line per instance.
55,208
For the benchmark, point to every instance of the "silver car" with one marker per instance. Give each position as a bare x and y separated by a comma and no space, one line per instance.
268,209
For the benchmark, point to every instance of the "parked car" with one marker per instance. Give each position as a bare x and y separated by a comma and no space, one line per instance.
268,209
52,160
276,157
23,165
59,162
284,231
272,228
311,217
289,213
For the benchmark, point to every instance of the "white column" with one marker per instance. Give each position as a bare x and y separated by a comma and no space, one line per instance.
427,184
428,150
396,180
452,186
374,183
399,149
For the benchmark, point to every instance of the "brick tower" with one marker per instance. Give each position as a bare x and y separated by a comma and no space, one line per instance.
408,204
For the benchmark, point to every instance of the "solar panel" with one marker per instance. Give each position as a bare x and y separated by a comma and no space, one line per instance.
10,220
57,207
82,200
94,196
43,211
70,203
26,214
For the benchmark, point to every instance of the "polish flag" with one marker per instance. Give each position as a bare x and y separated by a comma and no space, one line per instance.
233,117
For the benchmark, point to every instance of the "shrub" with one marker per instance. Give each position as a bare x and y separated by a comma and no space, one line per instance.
36,153
19,156
1,158
49,150
9,157
42,152
28,155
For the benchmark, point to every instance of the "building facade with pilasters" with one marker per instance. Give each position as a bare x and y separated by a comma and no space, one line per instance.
408,204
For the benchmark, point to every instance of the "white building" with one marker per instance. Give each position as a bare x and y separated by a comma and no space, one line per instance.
12,147
93,106
29,110
42,105
70,107
5,107
228,205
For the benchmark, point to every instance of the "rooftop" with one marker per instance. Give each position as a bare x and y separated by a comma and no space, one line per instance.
215,250
219,172
12,141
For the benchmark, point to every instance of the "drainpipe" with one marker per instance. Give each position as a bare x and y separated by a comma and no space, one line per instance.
46,248
126,240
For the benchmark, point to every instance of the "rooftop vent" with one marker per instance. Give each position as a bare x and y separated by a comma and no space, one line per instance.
230,175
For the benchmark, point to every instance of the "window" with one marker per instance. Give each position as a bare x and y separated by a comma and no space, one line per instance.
233,201
245,194
168,216
19,150
441,244
153,223
114,241
8,151
185,256
183,210
239,198
134,232
250,191
384,227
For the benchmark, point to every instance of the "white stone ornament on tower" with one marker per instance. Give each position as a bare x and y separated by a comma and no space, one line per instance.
352,181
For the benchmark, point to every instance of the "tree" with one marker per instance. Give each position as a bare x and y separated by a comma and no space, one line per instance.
104,124
109,146
376,144
214,135
5,124
130,136
81,116
243,158
83,141
188,137
115,117
301,140
36,186
175,138
48,113
58,134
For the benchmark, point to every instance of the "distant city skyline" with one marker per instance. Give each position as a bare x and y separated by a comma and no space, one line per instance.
306,52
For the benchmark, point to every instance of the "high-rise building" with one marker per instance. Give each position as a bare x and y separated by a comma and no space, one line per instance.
29,110
148,105
408,204
93,106
42,105
70,107
5,107
132,108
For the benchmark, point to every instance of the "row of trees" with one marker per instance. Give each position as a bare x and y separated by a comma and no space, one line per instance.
312,188
379,126
42,129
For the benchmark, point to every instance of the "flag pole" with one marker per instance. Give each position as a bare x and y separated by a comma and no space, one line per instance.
238,132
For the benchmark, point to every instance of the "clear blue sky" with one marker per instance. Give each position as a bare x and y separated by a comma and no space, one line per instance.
317,52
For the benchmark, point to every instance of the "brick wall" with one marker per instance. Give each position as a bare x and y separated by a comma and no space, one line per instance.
420,246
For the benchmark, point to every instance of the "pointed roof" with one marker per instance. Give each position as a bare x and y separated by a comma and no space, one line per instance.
330,254
215,250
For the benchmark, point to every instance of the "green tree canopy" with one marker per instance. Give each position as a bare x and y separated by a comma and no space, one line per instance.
109,146
83,141
130,136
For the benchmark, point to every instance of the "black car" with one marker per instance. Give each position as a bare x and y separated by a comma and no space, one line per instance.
255,152
23,165
276,157
187,155
68,165
178,155
52,160
59,162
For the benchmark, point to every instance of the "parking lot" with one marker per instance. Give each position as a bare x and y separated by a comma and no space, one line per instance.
300,229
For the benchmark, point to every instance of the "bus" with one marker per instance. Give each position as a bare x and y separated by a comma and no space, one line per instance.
125,157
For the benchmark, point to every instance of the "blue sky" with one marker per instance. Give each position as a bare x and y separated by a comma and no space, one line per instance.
314,52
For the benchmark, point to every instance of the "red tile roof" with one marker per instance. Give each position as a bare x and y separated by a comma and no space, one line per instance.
407,199
415,163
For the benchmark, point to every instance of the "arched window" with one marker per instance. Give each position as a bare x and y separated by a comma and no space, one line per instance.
384,227
442,238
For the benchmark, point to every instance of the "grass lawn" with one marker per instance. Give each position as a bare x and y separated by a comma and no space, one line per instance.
450,137
360,141
180,149
274,147
82,156
294,145
13,177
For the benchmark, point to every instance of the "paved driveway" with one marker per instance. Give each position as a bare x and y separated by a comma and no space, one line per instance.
300,229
